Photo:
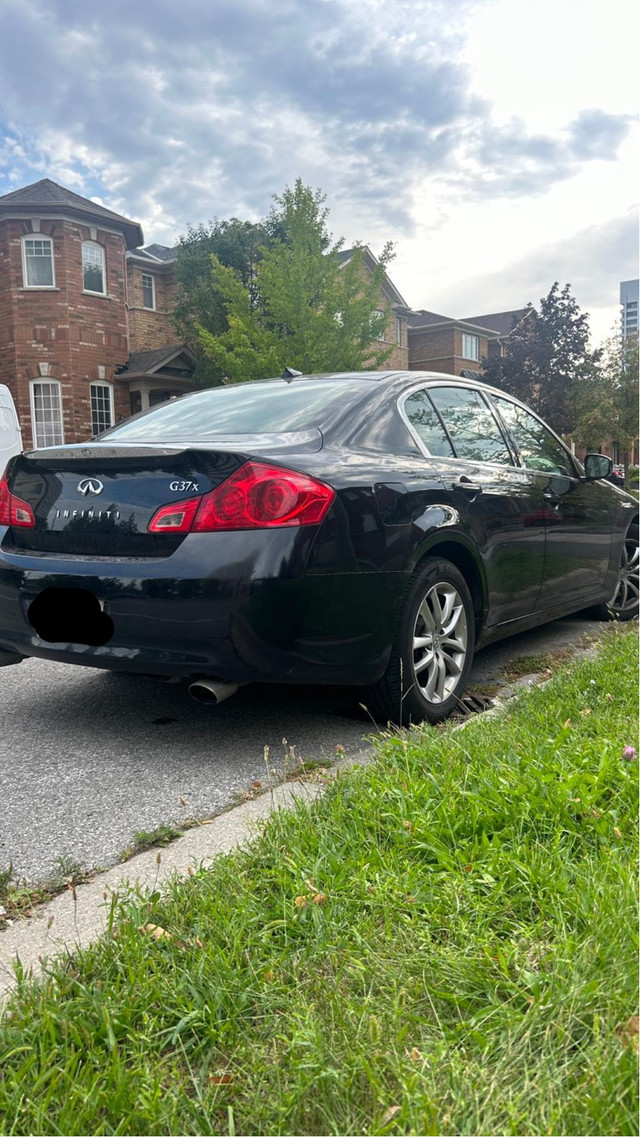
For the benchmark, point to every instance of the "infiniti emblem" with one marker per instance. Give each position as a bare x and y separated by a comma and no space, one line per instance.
90,485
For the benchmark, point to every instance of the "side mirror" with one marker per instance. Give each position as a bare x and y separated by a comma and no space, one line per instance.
597,466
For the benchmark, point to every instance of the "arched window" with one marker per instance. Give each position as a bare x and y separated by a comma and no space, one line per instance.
93,268
46,413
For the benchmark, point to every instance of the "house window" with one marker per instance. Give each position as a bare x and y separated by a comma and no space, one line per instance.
46,414
470,347
148,290
380,315
398,330
37,262
101,407
93,273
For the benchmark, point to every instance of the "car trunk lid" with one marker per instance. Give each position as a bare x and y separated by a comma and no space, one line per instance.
98,499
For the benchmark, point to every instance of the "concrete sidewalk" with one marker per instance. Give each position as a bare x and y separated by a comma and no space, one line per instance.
65,923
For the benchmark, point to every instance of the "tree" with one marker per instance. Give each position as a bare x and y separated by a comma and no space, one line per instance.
304,307
547,359
200,303
609,404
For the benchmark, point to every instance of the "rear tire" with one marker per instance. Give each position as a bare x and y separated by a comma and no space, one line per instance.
432,652
624,602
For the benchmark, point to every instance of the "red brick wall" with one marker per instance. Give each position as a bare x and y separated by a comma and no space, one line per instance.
72,331
149,329
441,350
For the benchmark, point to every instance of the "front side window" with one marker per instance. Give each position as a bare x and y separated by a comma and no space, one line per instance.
101,407
472,427
37,262
93,273
538,447
426,424
470,347
148,290
46,414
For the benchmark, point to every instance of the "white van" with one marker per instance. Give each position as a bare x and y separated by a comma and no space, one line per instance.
10,435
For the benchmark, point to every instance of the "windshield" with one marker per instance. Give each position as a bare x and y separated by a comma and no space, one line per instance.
247,408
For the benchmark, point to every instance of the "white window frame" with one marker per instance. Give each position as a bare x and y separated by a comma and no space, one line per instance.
399,330
109,387
467,340
54,383
94,291
381,312
149,276
25,279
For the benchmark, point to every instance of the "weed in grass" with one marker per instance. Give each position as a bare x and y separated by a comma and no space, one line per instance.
149,839
534,664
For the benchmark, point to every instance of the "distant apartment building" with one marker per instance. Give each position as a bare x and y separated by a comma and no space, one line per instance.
629,306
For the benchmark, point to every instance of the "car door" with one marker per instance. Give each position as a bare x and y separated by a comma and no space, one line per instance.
576,512
499,504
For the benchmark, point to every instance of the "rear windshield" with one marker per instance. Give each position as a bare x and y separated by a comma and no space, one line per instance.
249,408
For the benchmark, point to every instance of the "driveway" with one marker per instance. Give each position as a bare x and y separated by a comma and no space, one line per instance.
90,758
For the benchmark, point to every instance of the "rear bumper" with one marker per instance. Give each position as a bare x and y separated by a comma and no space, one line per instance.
235,605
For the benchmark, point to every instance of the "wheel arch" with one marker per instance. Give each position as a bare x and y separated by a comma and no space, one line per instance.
467,563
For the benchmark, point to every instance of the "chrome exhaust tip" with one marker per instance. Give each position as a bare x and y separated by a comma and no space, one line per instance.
212,691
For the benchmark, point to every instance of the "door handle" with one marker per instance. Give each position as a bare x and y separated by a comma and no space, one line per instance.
465,484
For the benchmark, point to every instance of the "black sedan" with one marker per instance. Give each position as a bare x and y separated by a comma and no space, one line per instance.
371,529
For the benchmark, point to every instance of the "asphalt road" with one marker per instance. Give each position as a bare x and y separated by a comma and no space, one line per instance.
88,758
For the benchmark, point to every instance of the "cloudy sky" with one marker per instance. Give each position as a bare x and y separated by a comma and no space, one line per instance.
493,141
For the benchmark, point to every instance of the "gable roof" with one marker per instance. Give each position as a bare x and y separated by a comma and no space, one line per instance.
149,362
388,287
501,322
494,324
160,252
422,318
49,197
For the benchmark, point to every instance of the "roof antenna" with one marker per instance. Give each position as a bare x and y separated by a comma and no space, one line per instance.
290,373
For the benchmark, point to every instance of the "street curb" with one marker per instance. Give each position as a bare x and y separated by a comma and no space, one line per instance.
79,916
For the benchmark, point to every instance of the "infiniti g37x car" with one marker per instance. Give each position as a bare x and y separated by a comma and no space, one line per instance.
371,529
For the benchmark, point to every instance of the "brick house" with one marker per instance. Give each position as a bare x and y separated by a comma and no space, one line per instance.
390,303
439,343
86,331
80,301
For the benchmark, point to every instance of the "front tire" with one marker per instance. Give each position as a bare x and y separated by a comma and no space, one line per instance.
432,652
624,602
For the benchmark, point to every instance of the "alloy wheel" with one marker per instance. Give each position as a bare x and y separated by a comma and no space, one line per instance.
627,591
440,642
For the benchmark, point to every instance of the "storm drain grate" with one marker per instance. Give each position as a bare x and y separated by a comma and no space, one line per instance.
472,705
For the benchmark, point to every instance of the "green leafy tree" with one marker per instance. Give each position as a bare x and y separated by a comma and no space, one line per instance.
609,403
547,359
200,303
304,307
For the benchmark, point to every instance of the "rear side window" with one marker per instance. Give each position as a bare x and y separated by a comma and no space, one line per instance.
247,408
539,449
472,427
426,424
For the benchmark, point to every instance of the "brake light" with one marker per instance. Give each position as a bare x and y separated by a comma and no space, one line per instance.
256,496
13,510
175,518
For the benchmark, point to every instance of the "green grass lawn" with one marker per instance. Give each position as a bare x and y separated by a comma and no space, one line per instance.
444,944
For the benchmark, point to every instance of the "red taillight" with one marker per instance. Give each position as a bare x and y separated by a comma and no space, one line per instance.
257,496
175,518
13,510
